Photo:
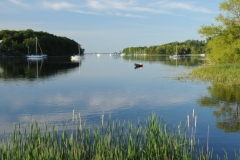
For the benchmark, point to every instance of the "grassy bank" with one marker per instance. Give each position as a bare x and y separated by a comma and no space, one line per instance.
225,74
113,140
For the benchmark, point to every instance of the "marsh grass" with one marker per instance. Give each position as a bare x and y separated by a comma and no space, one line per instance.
112,140
224,74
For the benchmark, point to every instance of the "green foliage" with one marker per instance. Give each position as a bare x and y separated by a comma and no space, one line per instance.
16,43
151,139
224,46
182,48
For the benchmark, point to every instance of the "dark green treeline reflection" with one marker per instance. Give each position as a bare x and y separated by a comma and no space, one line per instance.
22,68
183,61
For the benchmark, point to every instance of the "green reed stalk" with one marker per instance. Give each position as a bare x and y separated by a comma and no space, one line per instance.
224,74
112,140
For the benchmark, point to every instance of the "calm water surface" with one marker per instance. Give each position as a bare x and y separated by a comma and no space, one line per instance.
50,89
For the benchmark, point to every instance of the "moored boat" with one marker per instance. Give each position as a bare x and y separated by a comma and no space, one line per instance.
36,56
175,57
77,56
138,65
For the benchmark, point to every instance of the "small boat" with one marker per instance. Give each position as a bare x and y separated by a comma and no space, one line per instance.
138,65
98,54
175,57
77,56
36,56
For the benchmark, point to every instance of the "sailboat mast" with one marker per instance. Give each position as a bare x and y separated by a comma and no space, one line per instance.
176,49
36,45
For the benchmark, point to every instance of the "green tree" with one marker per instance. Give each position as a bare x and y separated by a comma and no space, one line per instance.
17,43
224,40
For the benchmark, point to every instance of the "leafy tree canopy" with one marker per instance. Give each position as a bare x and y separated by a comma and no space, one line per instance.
224,40
181,48
18,43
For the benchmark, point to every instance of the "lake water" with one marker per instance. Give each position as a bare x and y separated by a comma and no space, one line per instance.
50,89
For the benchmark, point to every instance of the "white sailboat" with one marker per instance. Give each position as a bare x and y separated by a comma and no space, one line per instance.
98,53
176,56
77,56
36,56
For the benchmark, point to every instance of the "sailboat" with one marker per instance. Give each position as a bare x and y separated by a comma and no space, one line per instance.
36,56
176,56
98,54
77,56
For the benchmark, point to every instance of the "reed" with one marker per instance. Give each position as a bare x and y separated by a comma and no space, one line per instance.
225,74
111,140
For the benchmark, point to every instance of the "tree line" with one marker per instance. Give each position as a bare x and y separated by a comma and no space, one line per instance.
180,48
19,43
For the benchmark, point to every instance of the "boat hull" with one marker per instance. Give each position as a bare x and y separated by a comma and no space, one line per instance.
138,65
175,57
34,56
76,57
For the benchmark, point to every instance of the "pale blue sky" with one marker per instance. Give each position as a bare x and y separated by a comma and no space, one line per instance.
111,25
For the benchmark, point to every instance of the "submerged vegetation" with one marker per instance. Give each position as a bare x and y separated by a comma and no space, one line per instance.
223,74
113,140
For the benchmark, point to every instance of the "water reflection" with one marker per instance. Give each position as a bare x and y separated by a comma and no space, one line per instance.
183,61
31,66
30,69
110,84
226,102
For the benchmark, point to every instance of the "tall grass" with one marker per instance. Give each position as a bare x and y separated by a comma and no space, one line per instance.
112,140
225,74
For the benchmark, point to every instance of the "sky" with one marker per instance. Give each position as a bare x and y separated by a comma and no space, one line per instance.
111,25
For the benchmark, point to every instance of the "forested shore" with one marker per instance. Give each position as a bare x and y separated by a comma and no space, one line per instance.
20,43
223,48
180,48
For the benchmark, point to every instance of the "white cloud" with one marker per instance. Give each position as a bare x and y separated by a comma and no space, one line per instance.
59,6
178,5
150,10
134,16
83,12
166,5
110,4
95,4
125,15
156,7
103,7
18,2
